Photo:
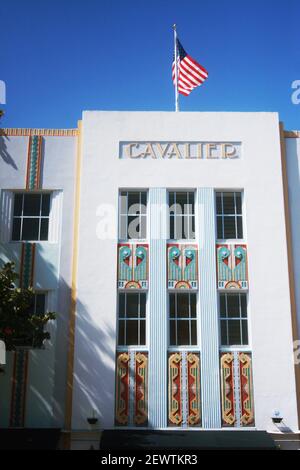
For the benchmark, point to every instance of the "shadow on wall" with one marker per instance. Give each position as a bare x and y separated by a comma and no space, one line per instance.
94,379
6,157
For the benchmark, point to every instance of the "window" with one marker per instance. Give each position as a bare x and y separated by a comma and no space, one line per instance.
182,215
31,217
233,318
132,319
133,215
183,319
229,215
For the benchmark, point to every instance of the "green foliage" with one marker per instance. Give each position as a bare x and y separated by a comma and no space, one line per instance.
19,327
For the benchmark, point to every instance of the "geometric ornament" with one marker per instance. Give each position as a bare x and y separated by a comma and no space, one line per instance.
232,269
132,266
182,266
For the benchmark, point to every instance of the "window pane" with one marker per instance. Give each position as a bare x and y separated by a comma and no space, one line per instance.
172,333
183,333
233,305
193,301
224,333
229,227
182,201
219,203
18,204
143,305
133,227
238,202
32,203
132,309
30,230
171,198
40,304
223,305
121,305
245,332
191,201
143,227
185,227
16,229
132,332
243,298
121,336
182,305
44,229
172,234
219,227
228,203
133,202
142,332
190,230
179,228
234,332
143,202
239,222
193,332
123,202
46,204
123,227
172,305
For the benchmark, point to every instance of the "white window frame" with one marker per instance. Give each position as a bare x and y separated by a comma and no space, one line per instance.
145,216
184,191
138,347
228,240
234,347
190,319
22,217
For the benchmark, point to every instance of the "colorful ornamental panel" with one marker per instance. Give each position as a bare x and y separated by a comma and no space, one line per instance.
184,389
34,162
237,389
182,266
132,388
232,267
132,266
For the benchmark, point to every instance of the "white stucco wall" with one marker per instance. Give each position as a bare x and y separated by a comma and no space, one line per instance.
47,368
293,171
258,172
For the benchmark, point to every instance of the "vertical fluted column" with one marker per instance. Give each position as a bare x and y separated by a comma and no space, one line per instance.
209,322
157,319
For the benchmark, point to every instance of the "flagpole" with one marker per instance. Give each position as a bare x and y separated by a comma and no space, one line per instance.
176,69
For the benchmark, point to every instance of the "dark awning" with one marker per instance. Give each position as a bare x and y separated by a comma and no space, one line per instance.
197,440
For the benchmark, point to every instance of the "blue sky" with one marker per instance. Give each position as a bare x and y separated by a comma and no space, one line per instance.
60,57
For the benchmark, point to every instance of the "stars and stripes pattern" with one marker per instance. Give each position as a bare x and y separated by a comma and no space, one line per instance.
190,74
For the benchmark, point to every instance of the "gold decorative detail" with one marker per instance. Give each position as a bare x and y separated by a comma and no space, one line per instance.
16,132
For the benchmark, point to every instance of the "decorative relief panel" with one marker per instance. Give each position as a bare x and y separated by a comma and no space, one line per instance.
237,389
132,388
182,266
132,266
232,268
184,389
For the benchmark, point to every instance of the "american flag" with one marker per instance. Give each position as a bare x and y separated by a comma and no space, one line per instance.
190,74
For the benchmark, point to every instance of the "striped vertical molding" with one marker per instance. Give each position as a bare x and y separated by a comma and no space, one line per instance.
158,309
21,356
6,205
34,162
209,322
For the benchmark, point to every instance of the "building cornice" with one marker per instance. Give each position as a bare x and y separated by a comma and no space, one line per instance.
18,132
292,134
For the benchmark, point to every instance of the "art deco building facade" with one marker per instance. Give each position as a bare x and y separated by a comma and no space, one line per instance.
167,243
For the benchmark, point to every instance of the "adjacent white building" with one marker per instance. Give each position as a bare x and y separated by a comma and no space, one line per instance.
167,244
